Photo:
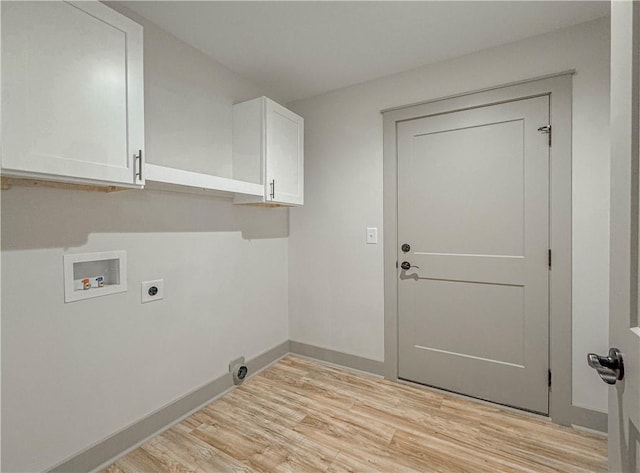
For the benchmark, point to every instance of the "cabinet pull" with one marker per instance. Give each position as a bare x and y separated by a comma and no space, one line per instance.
273,189
139,159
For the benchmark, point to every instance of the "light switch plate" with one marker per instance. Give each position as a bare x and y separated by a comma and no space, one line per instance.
372,235
152,290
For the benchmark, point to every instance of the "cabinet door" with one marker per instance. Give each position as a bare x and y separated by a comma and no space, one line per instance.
284,155
72,92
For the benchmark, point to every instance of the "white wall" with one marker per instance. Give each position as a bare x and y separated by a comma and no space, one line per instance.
188,99
336,280
75,373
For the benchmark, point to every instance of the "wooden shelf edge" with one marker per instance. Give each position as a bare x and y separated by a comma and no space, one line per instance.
7,183
194,180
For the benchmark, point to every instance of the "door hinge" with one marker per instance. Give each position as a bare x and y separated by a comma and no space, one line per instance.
546,130
396,265
549,377
549,258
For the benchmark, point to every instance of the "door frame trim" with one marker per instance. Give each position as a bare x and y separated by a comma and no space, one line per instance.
559,88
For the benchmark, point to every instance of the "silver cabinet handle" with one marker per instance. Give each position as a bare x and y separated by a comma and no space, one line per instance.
273,189
138,158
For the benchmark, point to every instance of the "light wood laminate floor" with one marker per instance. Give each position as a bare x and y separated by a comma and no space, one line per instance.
300,415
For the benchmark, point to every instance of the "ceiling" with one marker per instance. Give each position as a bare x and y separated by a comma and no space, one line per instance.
300,49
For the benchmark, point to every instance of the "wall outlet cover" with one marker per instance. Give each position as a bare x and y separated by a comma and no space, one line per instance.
152,290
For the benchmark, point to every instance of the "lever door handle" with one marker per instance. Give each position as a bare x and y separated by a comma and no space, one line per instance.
610,368
407,266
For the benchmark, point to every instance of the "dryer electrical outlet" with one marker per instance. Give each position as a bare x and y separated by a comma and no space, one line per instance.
152,290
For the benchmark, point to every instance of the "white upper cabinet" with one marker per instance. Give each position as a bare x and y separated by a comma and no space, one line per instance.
268,148
72,93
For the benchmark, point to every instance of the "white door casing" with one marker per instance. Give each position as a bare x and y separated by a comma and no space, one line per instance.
473,204
624,333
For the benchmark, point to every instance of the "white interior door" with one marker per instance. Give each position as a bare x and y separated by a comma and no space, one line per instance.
473,205
624,330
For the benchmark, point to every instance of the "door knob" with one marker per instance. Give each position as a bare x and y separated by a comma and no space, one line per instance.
610,368
406,247
407,266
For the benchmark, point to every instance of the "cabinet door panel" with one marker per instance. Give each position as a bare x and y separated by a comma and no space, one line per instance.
72,102
284,154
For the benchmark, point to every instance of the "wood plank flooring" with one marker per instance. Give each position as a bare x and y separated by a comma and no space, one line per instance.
304,416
